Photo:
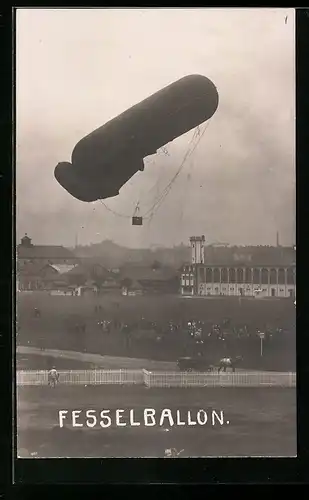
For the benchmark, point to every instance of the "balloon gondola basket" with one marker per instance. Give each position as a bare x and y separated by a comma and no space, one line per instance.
137,221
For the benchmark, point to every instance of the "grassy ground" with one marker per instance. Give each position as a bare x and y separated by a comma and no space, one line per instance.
162,307
60,312
34,362
261,422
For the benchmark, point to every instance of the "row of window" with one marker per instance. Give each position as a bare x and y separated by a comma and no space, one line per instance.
248,275
232,288
216,290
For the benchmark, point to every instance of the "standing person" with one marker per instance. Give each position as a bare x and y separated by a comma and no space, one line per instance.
127,332
41,342
53,377
37,312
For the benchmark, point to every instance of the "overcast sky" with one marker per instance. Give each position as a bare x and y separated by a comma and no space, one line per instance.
78,68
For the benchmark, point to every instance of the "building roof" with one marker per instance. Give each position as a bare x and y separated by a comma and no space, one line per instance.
78,270
44,252
89,267
36,268
63,268
147,273
249,256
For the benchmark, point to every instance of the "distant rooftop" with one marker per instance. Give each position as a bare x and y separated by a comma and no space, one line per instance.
250,255
147,273
26,250
63,268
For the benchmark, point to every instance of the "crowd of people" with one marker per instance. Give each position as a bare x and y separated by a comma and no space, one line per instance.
197,329
181,336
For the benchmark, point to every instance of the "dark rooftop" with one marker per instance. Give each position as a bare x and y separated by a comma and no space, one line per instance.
147,273
250,255
44,252
26,250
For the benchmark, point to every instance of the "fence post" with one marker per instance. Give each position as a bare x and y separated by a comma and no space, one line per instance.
146,377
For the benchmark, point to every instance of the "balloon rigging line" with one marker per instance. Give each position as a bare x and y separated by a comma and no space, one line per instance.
159,197
157,204
153,209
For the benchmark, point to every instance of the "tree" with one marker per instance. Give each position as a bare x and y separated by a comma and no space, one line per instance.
126,283
155,265
98,275
77,279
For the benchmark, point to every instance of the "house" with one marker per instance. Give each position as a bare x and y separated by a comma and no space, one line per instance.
78,275
38,276
28,276
148,279
28,253
92,273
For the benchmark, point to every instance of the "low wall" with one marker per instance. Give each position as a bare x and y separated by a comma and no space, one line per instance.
160,379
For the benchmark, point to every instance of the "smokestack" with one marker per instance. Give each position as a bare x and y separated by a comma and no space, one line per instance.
278,239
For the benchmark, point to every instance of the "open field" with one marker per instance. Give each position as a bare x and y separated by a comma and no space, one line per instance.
39,362
162,307
59,312
257,422
85,360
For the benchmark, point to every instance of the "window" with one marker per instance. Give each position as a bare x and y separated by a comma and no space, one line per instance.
232,275
240,275
281,276
209,278
224,275
264,276
273,276
216,275
248,275
290,277
256,276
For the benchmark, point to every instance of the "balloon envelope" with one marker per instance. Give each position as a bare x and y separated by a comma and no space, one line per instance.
103,161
